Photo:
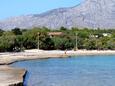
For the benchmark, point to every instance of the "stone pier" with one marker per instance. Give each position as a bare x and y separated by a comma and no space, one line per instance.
11,76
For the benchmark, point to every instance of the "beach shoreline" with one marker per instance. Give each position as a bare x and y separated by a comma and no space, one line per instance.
8,58
18,74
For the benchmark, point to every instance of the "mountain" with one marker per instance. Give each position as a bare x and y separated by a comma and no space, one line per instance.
90,13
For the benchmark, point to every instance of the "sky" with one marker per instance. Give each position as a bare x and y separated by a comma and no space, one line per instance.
10,8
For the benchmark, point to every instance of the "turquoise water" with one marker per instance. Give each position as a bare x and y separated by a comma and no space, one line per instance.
80,71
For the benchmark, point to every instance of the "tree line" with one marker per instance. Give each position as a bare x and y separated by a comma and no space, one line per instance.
91,39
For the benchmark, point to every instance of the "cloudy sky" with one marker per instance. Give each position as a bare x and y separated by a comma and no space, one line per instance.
10,8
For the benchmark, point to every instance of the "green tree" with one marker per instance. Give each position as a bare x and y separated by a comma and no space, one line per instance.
7,42
47,44
1,32
30,39
17,31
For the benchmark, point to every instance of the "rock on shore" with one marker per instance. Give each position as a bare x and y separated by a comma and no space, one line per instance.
11,76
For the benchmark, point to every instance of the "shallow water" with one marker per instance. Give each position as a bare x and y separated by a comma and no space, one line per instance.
80,71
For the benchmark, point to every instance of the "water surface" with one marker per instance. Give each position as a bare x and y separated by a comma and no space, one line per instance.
80,71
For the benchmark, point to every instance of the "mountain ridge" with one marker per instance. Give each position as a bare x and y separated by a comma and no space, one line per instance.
90,13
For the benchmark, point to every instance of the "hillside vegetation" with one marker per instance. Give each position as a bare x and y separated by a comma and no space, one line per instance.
19,39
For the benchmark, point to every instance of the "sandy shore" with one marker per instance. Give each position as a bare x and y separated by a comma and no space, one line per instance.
14,77
7,58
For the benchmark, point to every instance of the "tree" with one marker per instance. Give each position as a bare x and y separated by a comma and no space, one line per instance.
30,39
63,43
17,31
7,42
90,44
19,42
47,44
63,28
1,32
